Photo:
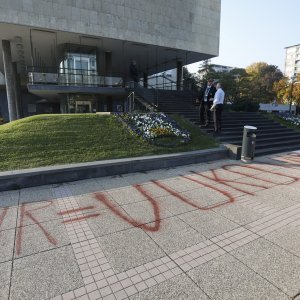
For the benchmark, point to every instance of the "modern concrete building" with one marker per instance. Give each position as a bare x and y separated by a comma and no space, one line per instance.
292,61
74,56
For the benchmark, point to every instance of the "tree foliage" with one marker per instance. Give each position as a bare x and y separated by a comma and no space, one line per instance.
286,90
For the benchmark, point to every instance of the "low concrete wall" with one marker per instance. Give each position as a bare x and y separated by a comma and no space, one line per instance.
57,174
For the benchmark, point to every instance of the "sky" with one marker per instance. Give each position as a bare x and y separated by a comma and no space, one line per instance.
256,30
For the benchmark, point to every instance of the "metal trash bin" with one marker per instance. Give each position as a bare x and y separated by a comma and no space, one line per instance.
249,141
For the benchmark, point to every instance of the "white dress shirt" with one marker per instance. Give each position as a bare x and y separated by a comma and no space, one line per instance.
219,97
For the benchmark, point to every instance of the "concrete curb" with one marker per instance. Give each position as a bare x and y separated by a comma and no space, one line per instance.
11,180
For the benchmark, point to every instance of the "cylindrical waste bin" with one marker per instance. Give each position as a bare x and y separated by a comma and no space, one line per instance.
249,141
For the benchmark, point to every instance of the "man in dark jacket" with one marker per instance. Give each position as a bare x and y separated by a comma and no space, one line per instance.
208,99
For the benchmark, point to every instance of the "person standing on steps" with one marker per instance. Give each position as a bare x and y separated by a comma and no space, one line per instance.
199,102
208,99
217,108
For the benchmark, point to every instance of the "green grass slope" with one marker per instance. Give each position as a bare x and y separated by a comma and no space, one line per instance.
45,140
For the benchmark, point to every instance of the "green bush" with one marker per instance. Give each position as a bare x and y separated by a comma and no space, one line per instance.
245,105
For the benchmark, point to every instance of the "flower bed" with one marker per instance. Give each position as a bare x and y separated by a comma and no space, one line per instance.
156,128
295,120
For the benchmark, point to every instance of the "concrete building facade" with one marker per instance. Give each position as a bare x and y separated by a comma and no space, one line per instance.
292,61
74,56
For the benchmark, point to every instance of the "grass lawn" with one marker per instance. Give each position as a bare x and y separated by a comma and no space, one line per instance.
45,140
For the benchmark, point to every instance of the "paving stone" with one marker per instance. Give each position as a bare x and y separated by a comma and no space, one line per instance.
146,212
273,263
108,223
180,287
45,275
205,197
41,211
129,248
39,193
175,235
9,199
227,278
8,217
287,237
238,213
40,237
7,238
5,270
208,223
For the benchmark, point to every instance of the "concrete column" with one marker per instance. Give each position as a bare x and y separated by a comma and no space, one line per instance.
9,80
179,75
17,90
145,80
108,68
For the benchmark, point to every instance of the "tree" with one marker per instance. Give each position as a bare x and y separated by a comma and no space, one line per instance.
261,81
283,90
189,80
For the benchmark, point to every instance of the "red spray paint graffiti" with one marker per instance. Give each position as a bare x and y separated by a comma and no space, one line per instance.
226,167
2,216
118,212
28,214
189,202
77,219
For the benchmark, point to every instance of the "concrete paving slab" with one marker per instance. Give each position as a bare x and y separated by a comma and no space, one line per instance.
84,186
205,197
8,217
181,184
154,190
7,238
45,275
36,238
238,213
175,205
279,267
227,278
9,199
89,203
277,197
36,194
112,182
175,235
180,288
38,212
146,212
129,248
126,195
107,223
5,271
287,238
208,223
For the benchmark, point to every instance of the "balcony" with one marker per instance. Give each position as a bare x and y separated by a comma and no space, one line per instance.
52,83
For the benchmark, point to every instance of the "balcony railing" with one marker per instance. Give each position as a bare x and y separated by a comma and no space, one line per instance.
74,77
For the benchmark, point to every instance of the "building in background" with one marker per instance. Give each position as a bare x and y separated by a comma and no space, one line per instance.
292,61
221,68
74,56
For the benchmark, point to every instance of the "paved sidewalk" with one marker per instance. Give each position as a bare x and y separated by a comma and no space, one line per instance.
219,230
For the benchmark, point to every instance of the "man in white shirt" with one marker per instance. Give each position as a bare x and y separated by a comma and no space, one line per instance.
218,108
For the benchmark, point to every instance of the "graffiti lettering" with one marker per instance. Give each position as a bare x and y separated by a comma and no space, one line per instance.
189,202
77,219
117,211
28,214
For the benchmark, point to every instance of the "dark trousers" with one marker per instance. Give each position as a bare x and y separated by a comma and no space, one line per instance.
218,117
207,113
201,113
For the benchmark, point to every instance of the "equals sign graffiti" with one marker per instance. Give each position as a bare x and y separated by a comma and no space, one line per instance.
78,218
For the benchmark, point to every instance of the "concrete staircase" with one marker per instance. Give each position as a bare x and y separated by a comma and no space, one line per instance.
271,136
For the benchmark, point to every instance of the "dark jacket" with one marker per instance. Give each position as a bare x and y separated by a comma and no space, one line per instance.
211,93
